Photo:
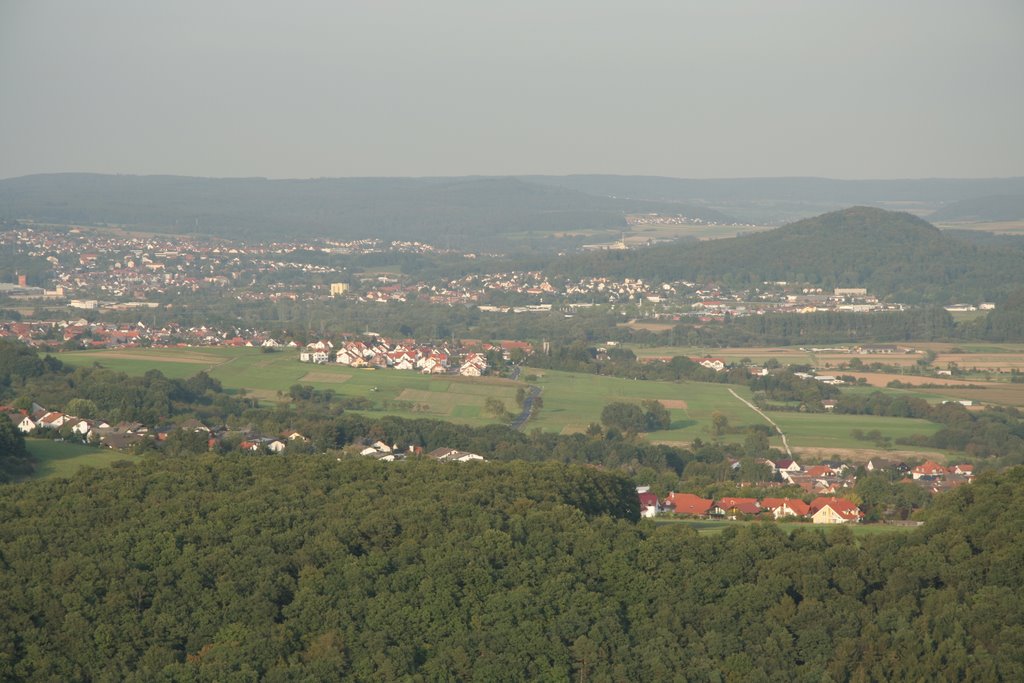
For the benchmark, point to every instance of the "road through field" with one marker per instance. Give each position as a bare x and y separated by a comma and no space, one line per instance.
770,421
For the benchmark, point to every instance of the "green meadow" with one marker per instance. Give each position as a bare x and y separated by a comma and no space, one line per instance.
63,459
571,400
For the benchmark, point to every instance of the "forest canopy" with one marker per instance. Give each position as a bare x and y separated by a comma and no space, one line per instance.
218,568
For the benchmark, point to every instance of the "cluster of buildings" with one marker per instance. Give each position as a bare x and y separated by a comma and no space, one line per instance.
381,353
825,482
39,420
834,478
385,453
82,334
94,269
821,510
123,435
428,358
97,270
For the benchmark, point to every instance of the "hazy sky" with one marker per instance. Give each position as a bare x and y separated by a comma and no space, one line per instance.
687,88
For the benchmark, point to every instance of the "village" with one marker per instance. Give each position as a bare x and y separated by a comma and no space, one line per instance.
39,422
827,489
428,358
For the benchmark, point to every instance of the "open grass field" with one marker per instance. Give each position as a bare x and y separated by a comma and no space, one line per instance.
63,459
987,364
571,400
714,526
824,430
574,400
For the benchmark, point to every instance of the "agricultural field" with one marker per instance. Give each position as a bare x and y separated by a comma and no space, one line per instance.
986,365
571,400
63,459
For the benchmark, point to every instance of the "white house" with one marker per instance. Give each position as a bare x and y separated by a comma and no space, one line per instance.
470,370
26,425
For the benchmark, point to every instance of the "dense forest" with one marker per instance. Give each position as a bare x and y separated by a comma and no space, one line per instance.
215,569
895,255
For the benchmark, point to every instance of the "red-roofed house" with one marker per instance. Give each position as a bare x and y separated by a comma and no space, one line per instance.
834,511
52,420
689,504
819,471
929,469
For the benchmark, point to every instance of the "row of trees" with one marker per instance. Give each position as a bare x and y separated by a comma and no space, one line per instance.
631,418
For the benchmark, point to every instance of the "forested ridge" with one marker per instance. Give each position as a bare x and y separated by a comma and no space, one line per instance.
213,568
895,255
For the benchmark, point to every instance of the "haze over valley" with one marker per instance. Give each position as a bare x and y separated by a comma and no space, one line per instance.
553,341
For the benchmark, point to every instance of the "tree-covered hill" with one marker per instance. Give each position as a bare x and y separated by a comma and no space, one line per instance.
895,255
433,210
303,568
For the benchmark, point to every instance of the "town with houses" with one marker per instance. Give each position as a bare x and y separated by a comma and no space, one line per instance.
86,270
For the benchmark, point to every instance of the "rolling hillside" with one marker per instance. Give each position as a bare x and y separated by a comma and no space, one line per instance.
895,255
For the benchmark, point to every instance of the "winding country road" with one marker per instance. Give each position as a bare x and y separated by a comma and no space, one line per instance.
520,422
770,421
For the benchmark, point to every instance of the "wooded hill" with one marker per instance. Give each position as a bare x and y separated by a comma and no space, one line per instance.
303,568
894,255
433,210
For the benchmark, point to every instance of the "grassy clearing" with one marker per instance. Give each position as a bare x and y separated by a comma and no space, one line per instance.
577,399
63,459
714,526
827,430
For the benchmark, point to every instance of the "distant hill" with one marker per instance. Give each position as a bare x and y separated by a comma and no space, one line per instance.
460,210
776,200
812,190
983,209
895,255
